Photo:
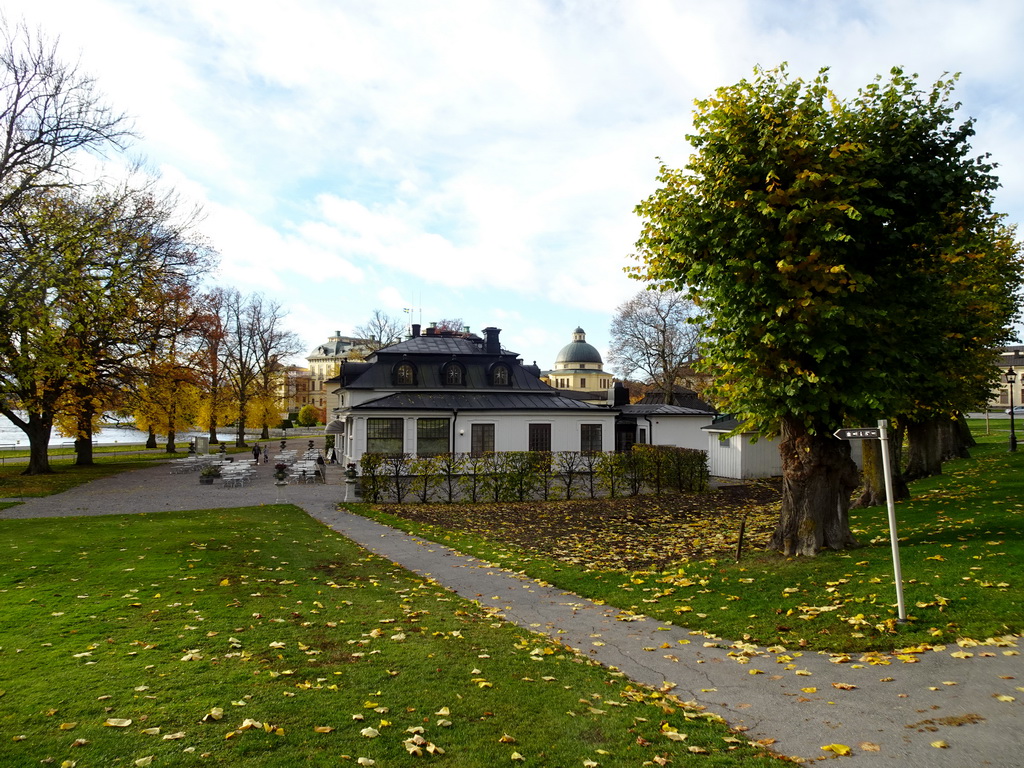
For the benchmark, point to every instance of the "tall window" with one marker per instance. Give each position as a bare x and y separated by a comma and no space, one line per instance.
454,375
590,438
431,437
384,436
482,439
583,383
405,374
499,376
539,437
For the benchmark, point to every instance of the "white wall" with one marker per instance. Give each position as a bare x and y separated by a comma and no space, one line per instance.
680,431
511,429
740,458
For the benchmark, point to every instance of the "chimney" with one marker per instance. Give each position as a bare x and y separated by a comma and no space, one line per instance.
492,346
415,330
618,395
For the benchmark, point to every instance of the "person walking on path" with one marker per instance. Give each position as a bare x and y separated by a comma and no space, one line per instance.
256,453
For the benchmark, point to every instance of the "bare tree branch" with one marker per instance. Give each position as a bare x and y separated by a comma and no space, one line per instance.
656,333
48,112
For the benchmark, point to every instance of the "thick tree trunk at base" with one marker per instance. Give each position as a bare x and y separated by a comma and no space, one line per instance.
873,476
929,443
151,439
83,451
818,477
951,442
83,443
37,429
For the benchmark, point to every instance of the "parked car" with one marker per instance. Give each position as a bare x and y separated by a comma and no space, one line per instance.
1017,410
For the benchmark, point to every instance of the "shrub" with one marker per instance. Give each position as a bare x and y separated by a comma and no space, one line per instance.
309,416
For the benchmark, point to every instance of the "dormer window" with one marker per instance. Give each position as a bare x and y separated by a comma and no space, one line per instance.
500,375
404,375
453,374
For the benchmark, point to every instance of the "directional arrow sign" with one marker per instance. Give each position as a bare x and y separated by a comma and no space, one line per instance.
858,433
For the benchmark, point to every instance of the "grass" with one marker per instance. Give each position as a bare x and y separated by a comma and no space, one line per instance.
109,460
962,552
258,636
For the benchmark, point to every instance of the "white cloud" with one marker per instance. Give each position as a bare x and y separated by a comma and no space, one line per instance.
481,159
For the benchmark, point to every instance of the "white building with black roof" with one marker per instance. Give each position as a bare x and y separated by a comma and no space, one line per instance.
451,391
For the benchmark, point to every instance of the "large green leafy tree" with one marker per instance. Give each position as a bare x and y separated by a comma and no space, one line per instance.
819,237
86,280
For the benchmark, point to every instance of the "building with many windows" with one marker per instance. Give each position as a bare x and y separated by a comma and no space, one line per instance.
325,363
579,370
441,391
1008,357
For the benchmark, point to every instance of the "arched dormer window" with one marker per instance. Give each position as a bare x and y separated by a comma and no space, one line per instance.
453,374
404,374
500,375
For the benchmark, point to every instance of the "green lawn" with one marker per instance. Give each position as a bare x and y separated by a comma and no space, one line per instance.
109,460
962,553
259,637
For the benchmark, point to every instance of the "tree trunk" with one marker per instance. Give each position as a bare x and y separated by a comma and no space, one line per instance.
214,440
965,432
172,417
873,477
83,451
83,441
37,429
951,441
818,477
265,434
240,435
924,449
151,439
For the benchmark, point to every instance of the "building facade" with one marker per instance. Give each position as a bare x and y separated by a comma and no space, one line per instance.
579,369
325,363
1009,357
441,392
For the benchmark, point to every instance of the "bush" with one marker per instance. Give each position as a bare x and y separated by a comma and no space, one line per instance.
309,416
526,475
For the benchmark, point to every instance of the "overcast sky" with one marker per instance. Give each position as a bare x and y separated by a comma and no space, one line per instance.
480,159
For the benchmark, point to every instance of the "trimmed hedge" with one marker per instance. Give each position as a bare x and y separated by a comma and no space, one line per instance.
533,475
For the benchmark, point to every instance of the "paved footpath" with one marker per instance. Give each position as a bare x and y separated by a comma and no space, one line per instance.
890,718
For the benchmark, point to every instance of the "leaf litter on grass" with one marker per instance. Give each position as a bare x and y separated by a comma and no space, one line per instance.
192,620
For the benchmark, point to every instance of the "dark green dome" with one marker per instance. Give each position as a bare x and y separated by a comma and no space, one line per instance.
578,351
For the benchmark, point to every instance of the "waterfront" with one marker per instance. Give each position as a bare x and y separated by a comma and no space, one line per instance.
11,436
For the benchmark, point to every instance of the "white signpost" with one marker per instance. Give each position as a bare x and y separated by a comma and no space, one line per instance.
881,433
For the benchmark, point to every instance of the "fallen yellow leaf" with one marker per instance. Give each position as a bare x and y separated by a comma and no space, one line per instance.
837,749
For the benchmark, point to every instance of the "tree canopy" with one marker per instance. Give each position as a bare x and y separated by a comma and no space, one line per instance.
826,240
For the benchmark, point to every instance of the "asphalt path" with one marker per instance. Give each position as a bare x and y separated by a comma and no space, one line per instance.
889,710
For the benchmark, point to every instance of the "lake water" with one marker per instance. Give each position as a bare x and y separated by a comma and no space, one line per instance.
11,435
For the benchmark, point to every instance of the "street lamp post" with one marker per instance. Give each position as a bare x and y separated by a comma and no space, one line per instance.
1011,378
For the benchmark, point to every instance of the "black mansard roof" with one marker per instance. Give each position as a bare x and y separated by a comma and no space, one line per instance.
477,401
429,355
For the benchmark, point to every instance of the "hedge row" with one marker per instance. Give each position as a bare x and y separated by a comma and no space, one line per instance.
532,475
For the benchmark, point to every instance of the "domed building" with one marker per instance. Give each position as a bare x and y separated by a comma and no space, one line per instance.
579,367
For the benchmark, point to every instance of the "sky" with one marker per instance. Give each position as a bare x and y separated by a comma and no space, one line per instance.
479,159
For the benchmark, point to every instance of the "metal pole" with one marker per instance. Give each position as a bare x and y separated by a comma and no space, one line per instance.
1013,434
901,607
